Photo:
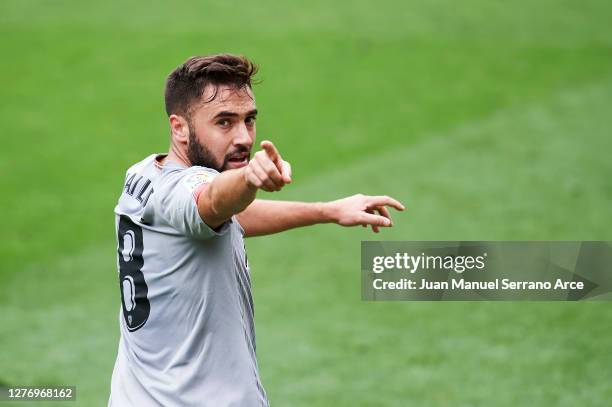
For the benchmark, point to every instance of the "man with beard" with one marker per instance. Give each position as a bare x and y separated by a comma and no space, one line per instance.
186,318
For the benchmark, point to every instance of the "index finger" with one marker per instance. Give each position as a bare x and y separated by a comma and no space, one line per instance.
386,200
272,152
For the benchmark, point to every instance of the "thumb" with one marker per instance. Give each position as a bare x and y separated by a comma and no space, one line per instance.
286,172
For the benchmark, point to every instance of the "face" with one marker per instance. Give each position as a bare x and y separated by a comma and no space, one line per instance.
222,131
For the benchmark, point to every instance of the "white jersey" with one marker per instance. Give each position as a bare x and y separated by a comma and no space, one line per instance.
186,318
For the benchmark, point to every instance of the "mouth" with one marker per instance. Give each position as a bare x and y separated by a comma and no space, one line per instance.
238,160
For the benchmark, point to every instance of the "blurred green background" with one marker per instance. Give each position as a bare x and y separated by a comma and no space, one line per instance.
488,119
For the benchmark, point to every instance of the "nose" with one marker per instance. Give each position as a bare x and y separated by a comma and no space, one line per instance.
243,136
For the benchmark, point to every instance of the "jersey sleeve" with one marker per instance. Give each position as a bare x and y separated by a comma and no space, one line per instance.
176,202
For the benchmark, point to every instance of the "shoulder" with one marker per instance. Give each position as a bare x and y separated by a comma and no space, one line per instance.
178,179
141,165
194,177
188,176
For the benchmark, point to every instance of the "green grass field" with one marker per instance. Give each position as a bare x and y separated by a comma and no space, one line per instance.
488,119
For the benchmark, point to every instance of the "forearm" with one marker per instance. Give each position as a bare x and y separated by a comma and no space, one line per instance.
228,194
264,217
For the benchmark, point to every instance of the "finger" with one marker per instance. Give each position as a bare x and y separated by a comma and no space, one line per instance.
369,219
254,179
266,170
267,184
384,212
385,200
272,172
286,172
272,152
375,228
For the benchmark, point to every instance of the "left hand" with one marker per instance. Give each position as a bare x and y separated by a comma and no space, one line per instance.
361,210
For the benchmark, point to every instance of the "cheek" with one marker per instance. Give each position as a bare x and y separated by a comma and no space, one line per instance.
211,137
219,145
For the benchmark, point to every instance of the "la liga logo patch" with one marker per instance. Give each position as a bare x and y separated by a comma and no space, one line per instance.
193,181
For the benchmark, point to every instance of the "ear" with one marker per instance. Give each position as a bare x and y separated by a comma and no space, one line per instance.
179,129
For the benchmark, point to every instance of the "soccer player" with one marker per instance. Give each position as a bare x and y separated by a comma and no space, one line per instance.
186,318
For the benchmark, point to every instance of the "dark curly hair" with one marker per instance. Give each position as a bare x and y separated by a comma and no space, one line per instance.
185,85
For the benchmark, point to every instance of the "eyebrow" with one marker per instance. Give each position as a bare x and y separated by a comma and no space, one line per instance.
234,114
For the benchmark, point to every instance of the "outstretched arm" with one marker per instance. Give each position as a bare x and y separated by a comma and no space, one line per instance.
233,193
264,217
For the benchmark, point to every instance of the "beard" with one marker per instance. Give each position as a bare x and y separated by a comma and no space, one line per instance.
198,154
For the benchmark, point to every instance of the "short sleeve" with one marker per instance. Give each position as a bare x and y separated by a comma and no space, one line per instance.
176,201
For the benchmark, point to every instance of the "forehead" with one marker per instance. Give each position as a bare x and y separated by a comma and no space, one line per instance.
226,99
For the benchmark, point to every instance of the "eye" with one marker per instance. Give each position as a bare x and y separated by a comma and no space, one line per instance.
224,122
250,121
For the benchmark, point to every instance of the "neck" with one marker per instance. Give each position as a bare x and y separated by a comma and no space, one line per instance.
175,154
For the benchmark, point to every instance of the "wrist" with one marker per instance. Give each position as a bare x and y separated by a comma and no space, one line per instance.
326,212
